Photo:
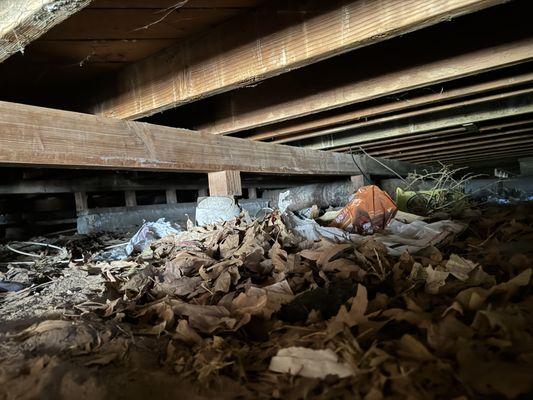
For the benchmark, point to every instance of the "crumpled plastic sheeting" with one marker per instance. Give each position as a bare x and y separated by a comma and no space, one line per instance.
311,230
397,237
216,209
149,232
417,235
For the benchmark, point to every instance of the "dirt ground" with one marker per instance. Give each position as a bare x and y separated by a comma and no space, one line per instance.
207,315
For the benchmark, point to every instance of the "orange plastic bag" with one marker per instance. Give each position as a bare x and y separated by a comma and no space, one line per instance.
369,211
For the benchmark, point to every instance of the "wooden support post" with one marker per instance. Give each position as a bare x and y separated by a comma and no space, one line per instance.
171,196
81,201
225,183
252,193
131,199
358,181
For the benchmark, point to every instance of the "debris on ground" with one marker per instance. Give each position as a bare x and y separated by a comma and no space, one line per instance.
435,192
370,211
256,309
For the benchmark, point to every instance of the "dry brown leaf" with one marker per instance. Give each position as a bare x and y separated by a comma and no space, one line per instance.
488,377
411,348
229,245
185,333
459,267
435,279
356,315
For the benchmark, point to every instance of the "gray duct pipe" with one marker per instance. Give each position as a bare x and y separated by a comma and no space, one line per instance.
129,219
300,197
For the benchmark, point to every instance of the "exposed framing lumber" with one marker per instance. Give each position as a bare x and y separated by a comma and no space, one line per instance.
478,158
47,137
518,105
225,183
494,141
251,108
263,44
450,152
465,142
400,116
364,113
428,138
130,198
398,143
81,200
171,197
110,183
21,22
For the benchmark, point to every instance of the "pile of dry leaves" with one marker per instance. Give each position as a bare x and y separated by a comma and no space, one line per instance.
247,309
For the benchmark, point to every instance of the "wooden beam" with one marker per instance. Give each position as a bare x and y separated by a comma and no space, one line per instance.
47,137
344,83
462,143
514,106
518,143
401,116
274,39
399,142
21,22
121,183
289,129
225,183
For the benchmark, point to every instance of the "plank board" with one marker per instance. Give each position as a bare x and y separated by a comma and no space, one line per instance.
47,137
225,183
172,3
521,104
264,44
137,23
282,99
289,130
21,22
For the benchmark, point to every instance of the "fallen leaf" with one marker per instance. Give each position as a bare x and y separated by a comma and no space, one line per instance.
459,267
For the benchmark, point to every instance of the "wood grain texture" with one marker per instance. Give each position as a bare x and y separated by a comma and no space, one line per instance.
225,183
47,137
172,3
399,116
264,44
102,24
289,130
21,22
246,109
521,104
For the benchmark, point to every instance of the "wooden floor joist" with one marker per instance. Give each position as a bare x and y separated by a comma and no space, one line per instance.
286,98
518,105
47,137
288,131
21,22
268,42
